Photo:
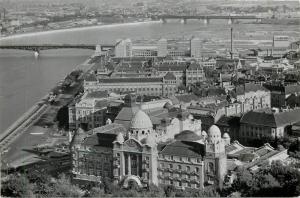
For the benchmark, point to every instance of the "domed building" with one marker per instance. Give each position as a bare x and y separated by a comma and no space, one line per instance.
216,159
140,154
140,126
187,135
214,134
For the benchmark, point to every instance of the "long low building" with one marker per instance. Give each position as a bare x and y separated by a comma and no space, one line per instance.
154,86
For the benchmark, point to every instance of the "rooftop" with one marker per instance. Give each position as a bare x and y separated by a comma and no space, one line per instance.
270,119
183,148
131,80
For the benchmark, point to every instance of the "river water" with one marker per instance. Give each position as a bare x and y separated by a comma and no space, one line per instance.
24,79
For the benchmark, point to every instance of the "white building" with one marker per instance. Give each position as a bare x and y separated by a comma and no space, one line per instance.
281,41
195,48
162,49
123,48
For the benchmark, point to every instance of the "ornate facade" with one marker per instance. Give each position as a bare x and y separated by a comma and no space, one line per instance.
190,160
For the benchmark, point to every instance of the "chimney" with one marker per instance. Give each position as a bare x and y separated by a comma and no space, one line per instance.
231,42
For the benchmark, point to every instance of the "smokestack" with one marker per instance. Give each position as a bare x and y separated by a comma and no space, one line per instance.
231,41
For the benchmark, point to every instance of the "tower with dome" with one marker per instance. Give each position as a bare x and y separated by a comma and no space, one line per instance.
215,157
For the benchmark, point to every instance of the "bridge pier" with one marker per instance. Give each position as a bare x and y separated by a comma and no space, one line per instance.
98,49
163,20
206,21
183,21
36,54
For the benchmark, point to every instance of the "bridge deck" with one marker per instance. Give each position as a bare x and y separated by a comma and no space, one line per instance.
209,17
54,46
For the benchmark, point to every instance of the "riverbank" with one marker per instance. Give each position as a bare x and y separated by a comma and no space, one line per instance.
24,35
11,140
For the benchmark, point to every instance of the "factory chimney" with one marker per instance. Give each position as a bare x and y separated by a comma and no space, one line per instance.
231,42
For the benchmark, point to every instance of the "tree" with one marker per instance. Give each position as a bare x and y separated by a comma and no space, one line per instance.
96,192
62,117
154,191
270,181
63,188
243,183
107,185
170,191
17,186
41,181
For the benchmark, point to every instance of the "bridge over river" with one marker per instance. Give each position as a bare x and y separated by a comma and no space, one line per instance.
206,18
38,48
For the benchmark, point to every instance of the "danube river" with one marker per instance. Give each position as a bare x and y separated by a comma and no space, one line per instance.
24,79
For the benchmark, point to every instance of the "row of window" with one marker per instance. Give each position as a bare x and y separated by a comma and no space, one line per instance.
136,89
180,158
182,176
179,183
179,167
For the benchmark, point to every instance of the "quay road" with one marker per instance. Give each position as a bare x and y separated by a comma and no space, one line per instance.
22,124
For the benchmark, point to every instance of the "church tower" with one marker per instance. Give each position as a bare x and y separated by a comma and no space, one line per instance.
215,157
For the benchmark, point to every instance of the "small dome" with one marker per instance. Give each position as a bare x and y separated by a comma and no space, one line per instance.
120,138
214,133
226,136
141,121
108,121
187,135
190,117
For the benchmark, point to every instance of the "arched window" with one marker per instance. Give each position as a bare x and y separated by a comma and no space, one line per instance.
210,167
188,168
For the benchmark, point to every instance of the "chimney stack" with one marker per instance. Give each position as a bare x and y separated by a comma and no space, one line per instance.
231,42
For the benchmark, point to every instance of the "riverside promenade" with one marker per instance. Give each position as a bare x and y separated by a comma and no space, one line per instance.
23,133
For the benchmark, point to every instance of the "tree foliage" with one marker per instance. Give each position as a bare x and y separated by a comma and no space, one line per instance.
17,186
273,181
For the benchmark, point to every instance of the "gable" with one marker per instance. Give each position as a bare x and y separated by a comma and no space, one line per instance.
132,145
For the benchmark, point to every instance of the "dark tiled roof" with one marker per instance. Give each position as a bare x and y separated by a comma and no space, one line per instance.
171,66
271,119
110,129
97,94
228,121
130,67
169,76
187,97
187,135
100,139
240,90
194,66
90,77
289,89
259,118
288,117
101,103
130,80
210,91
183,148
104,136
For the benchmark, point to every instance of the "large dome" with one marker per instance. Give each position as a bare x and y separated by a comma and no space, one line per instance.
187,135
141,121
214,133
